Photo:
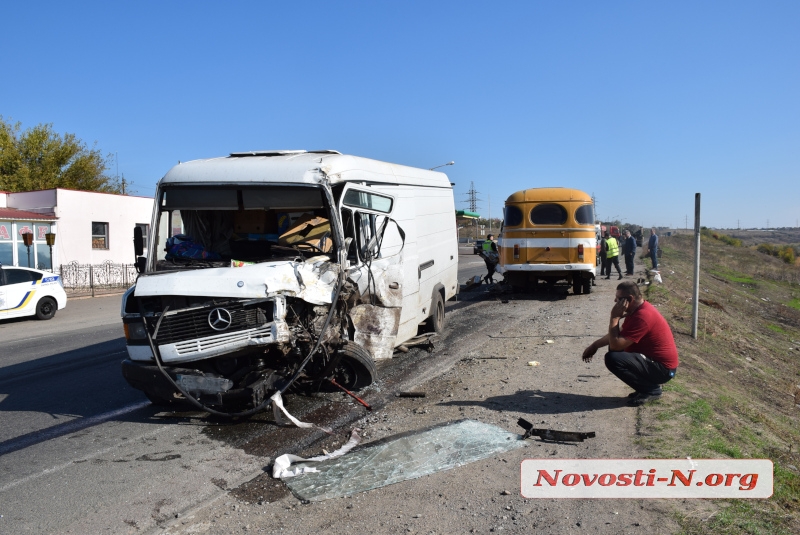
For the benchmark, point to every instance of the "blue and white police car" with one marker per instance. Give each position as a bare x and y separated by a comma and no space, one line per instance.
29,292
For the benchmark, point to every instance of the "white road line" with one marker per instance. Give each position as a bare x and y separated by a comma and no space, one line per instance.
71,427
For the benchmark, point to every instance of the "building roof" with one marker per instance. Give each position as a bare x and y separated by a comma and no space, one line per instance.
24,215
299,167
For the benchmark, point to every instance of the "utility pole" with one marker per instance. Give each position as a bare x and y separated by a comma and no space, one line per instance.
696,292
472,200
490,213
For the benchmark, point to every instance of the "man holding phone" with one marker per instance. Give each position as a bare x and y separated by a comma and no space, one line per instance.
643,353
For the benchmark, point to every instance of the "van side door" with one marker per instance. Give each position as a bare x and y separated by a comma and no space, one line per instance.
373,256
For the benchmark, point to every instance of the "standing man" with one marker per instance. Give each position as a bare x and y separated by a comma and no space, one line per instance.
491,257
612,255
630,252
604,267
652,247
643,353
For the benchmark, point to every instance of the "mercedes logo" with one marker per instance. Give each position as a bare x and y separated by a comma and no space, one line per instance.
219,319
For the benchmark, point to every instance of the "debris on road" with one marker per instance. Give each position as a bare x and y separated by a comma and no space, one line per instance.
281,468
419,453
411,394
533,363
473,283
553,435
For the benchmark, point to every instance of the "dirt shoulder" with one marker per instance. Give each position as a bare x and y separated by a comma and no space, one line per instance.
560,393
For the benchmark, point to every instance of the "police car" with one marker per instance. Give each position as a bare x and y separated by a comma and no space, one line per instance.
29,292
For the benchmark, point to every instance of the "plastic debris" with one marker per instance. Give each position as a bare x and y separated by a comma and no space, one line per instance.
533,363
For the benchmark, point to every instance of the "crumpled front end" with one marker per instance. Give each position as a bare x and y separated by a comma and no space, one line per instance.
228,334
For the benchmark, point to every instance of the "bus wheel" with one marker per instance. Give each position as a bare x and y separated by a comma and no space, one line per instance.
587,286
577,286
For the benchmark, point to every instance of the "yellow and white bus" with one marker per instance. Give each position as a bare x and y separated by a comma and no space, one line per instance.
549,235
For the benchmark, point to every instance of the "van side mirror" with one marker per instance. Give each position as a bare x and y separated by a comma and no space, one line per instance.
141,264
138,242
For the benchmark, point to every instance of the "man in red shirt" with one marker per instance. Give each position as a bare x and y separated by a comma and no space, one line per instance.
643,353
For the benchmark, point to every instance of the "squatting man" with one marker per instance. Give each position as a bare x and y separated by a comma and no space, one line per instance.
643,353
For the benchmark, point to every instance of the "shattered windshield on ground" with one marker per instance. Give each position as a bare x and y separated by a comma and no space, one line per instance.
403,457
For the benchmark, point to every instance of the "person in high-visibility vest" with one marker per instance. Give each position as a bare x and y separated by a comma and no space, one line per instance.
612,255
491,257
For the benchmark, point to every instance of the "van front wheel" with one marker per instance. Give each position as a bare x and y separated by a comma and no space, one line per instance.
356,368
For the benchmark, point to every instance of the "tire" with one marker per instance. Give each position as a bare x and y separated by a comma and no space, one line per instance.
587,286
356,368
435,323
46,308
577,286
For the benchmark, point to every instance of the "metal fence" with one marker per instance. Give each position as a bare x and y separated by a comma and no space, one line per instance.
90,277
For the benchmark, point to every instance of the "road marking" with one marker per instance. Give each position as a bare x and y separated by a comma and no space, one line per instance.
37,437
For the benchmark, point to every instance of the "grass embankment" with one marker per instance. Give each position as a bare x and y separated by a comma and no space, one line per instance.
736,393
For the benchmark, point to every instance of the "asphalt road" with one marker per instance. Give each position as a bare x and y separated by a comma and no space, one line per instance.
81,450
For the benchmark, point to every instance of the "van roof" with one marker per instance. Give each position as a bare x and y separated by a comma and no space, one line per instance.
299,166
549,194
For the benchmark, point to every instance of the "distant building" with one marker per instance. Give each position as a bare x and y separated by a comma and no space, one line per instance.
90,227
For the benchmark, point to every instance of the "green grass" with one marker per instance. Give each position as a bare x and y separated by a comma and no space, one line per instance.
707,412
733,276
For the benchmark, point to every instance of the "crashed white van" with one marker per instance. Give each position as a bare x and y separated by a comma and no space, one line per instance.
277,268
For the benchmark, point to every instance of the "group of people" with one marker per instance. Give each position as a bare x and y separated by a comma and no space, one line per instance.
642,353
610,250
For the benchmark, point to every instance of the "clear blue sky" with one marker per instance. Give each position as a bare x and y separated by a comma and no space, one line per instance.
642,104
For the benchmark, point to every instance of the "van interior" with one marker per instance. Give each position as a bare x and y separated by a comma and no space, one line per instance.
224,226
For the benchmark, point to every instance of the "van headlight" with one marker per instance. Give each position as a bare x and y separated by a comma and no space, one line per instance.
135,331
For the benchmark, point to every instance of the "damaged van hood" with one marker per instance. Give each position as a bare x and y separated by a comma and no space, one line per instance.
314,282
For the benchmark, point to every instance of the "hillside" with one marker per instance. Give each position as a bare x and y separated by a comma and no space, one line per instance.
736,393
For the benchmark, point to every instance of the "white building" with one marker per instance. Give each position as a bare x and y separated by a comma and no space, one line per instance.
90,227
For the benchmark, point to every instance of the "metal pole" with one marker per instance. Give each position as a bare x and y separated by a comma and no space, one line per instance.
696,296
91,278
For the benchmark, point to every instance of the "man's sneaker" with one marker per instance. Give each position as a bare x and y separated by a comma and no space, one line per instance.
620,276
641,399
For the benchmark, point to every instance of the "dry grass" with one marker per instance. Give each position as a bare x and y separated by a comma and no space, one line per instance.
734,395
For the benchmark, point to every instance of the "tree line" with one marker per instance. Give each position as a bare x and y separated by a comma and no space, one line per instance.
40,158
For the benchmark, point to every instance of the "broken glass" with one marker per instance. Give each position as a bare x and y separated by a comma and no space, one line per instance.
402,457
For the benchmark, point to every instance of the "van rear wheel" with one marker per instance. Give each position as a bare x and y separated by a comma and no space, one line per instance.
435,324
